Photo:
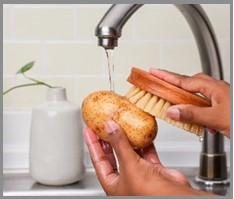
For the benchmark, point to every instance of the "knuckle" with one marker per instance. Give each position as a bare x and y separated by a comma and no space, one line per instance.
187,113
188,82
100,159
116,138
201,75
182,80
157,170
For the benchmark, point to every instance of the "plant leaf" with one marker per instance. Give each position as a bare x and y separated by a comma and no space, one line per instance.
26,67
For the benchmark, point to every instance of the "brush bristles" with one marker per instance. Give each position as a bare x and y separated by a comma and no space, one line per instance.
157,107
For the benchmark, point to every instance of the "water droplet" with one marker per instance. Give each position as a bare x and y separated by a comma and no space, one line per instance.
201,138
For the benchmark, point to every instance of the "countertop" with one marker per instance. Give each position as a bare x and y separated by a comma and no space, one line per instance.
20,183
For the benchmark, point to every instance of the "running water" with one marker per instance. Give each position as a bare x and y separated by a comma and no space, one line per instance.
110,62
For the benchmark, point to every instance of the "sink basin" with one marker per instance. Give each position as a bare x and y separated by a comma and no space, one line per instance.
20,183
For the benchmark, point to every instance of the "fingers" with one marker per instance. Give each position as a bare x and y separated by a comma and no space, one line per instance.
199,83
192,114
118,140
203,76
150,154
105,172
170,77
109,153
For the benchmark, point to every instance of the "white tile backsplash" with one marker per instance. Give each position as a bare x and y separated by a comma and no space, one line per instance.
162,22
16,128
225,54
182,57
60,38
129,54
17,54
86,19
7,19
74,58
219,16
44,23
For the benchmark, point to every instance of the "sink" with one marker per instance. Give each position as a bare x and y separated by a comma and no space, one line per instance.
20,183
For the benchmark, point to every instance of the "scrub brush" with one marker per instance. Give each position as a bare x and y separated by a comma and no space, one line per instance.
155,96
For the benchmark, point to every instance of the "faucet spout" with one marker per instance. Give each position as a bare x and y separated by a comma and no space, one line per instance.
213,166
110,27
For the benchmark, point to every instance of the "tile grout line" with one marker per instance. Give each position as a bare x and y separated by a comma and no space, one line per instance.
78,41
99,76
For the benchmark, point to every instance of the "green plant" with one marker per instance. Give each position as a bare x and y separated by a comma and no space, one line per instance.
23,71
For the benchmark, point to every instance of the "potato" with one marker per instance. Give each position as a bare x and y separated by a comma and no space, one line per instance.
139,126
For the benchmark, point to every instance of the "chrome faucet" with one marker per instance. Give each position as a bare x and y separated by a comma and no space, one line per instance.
213,167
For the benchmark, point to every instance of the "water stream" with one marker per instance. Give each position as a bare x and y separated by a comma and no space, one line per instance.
111,67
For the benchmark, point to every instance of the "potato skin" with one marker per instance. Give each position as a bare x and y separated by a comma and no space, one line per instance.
139,126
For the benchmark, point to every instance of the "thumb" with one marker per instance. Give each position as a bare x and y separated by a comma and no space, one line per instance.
191,114
120,144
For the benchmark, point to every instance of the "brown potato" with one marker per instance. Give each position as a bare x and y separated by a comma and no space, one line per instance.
139,126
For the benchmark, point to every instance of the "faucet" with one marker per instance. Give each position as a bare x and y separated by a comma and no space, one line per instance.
213,166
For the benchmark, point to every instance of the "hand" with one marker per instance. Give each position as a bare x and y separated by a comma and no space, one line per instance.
139,173
217,116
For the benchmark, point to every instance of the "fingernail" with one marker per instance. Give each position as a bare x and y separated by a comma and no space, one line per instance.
173,113
111,127
212,131
105,146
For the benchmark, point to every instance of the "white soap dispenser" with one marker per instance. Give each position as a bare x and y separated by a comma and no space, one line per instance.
56,142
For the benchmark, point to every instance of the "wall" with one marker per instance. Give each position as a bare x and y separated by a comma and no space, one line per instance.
60,38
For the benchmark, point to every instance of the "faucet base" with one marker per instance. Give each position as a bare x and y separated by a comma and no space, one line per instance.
219,187
213,168
211,182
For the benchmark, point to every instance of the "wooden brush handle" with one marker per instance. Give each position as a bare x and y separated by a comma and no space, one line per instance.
165,90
